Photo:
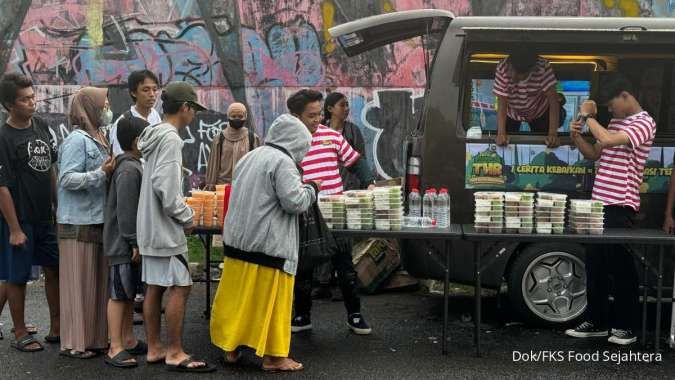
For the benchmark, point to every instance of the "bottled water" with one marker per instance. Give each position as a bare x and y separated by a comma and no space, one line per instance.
419,222
414,204
442,209
428,203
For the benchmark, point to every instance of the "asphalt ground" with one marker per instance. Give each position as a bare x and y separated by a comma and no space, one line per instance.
405,344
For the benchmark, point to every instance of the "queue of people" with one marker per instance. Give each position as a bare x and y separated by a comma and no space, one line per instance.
121,220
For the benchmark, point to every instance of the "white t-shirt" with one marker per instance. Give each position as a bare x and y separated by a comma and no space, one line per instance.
153,118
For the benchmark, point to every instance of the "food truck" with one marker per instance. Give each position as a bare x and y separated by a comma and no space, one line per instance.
453,142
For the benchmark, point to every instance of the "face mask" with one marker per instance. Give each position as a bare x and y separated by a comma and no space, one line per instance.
106,117
236,123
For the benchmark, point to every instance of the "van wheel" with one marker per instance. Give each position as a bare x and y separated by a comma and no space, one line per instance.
547,284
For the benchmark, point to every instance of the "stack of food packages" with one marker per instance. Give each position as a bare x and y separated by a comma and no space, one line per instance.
388,208
220,205
333,210
207,207
587,216
359,209
550,213
489,215
519,212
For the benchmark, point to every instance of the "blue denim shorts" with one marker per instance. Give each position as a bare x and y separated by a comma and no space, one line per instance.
41,249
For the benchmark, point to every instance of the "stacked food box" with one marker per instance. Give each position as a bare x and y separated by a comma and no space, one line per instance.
359,209
587,217
550,213
333,210
489,216
388,208
519,212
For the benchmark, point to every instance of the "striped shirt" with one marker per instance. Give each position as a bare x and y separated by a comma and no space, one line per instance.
329,150
526,99
621,168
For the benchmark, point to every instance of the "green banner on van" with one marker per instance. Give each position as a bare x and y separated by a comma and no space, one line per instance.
538,168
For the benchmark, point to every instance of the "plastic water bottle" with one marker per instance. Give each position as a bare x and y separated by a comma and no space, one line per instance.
442,209
428,203
415,203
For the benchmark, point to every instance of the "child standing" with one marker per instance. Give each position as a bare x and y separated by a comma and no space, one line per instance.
120,246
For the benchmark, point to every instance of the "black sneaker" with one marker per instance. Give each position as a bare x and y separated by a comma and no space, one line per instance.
358,325
586,330
301,323
622,337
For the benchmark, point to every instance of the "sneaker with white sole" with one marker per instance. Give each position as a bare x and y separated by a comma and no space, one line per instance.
301,323
358,325
622,337
586,330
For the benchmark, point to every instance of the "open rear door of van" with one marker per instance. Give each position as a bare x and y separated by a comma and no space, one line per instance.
368,33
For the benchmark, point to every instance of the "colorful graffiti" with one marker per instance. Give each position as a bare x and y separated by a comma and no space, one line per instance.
257,52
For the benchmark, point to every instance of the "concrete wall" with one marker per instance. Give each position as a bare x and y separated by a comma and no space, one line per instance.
254,51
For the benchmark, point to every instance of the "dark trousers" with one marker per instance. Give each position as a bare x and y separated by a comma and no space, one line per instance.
610,269
342,262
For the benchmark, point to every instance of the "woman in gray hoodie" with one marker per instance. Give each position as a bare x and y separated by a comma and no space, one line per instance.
254,301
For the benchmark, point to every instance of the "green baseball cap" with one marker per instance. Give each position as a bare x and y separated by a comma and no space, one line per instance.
180,91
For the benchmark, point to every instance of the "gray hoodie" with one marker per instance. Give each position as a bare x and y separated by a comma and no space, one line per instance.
162,213
268,195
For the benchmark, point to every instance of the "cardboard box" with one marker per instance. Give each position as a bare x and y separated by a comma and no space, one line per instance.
376,260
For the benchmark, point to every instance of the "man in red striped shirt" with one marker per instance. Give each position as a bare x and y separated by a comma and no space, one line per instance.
525,86
322,164
621,151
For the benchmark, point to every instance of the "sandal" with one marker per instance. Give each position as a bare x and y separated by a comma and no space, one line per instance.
300,367
53,339
23,343
140,349
121,360
78,355
184,366
30,328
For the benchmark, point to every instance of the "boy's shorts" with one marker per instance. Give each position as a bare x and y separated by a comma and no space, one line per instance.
122,280
41,249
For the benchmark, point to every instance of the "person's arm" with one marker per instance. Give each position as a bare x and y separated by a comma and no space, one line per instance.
127,193
502,138
552,140
73,174
362,171
668,221
16,234
294,196
589,151
166,183
605,138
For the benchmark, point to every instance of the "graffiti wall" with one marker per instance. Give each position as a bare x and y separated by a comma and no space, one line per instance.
254,51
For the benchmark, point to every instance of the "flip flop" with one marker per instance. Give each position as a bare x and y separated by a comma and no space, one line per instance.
281,369
184,366
78,355
140,349
23,343
53,339
120,360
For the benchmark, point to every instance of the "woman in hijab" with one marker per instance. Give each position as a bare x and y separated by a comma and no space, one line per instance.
84,165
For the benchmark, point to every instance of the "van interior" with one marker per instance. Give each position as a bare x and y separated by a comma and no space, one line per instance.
580,72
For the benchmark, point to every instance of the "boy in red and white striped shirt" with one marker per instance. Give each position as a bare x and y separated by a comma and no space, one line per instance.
525,86
321,164
621,151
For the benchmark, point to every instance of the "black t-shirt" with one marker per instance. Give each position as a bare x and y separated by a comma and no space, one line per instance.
26,157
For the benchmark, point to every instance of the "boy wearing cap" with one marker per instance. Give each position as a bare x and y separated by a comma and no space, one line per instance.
162,222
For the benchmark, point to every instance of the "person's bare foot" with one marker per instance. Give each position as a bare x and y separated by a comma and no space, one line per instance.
156,356
275,364
232,357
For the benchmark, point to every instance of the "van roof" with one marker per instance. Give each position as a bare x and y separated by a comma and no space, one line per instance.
565,23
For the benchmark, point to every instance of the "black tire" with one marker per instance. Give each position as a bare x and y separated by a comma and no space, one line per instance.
558,299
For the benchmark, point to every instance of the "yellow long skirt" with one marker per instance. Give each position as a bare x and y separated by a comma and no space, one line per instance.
252,308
